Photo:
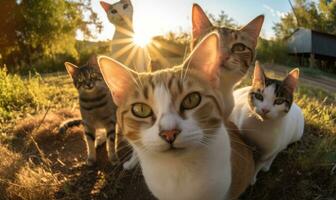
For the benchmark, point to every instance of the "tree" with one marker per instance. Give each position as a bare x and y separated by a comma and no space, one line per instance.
35,30
222,20
319,16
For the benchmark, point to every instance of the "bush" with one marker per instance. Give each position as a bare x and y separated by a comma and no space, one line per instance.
17,94
274,51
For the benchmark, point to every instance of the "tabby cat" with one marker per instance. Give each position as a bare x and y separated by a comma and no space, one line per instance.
96,107
174,120
237,49
267,116
123,47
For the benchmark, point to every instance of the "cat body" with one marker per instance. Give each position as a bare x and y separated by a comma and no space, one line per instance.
271,121
174,120
96,107
237,49
124,49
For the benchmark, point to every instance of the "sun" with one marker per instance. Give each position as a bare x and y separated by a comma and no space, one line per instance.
142,39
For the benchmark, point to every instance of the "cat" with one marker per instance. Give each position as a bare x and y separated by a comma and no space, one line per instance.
96,107
238,49
124,50
173,118
267,116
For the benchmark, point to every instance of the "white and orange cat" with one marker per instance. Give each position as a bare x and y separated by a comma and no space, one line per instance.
237,49
174,120
267,116
124,49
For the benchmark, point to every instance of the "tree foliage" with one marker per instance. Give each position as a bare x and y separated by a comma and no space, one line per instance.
319,16
33,30
222,20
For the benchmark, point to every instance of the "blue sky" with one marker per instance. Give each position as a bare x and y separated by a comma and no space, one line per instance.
155,17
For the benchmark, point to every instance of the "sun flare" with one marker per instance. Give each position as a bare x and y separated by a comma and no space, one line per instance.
142,39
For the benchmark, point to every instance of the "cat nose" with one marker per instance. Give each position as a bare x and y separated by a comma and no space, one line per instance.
169,135
265,111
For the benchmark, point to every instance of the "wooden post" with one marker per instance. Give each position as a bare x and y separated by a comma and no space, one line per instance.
312,60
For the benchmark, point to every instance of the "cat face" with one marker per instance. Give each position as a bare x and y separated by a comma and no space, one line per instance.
271,98
172,110
237,46
86,78
120,13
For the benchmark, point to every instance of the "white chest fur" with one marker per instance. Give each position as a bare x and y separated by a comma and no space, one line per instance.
200,174
271,136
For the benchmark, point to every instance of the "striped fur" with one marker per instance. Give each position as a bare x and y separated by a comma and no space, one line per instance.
183,144
124,49
237,49
96,107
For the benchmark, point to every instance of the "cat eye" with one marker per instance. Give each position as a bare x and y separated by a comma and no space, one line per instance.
238,47
141,110
125,6
114,11
191,101
279,101
258,96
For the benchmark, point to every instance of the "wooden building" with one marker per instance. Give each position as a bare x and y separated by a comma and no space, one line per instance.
316,48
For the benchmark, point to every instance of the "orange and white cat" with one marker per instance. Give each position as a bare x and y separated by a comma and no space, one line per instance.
237,49
267,115
124,49
174,120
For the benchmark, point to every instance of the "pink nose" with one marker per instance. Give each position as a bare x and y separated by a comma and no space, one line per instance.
170,135
265,111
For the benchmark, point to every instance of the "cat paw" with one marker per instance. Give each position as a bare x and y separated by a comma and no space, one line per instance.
128,165
266,168
254,180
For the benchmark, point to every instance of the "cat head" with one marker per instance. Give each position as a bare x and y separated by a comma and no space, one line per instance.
86,78
271,98
237,46
120,13
172,110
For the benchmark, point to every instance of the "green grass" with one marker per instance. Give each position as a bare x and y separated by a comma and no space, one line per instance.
306,170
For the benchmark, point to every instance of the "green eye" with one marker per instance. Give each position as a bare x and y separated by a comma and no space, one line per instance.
141,110
191,101
259,96
239,47
279,101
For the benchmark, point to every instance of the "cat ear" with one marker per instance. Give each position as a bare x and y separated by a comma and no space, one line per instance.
292,79
105,5
117,76
71,68
253,28
258,75
200,22
205,58
93,61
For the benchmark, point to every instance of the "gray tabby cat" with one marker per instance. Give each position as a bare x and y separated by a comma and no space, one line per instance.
96,107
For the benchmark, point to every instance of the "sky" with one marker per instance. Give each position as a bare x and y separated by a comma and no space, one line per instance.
157,17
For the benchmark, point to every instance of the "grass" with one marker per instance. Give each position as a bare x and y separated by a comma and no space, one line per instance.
53,169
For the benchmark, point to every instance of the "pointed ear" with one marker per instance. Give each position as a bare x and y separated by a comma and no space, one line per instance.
105,5
253,28
200,22
93,61
258,75
71,68
117,76
205,58
292,80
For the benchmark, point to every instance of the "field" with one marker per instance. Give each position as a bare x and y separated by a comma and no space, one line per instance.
37,162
